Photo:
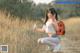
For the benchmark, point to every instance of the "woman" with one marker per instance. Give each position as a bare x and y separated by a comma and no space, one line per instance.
50,26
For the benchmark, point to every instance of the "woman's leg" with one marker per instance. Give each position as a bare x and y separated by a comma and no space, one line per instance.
51,41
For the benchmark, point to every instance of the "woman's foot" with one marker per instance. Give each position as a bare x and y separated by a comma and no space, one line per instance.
57,48
49,48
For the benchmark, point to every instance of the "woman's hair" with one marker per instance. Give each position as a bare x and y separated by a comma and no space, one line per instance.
53,12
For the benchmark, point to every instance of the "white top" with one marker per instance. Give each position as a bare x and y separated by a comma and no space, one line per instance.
49,27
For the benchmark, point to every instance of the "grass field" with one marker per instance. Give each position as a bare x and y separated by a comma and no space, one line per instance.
21,39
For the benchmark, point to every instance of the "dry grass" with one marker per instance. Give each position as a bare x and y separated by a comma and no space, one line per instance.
72,35
18,35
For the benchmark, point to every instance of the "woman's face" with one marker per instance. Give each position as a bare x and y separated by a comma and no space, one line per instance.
49,14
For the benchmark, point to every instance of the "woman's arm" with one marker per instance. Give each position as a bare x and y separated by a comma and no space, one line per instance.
56,26
39,30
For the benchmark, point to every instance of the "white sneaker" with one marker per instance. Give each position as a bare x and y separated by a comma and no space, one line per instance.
57,48
49,48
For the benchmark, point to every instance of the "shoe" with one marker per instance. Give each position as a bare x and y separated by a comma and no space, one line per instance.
57,48
49,48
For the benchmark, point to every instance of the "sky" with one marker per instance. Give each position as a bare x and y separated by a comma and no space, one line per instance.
42,1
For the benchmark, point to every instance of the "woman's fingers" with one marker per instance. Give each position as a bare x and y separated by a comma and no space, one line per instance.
34,26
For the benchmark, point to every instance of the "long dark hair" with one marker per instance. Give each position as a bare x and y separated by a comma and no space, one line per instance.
53,12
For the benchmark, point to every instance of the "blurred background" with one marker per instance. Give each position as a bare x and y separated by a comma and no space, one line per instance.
18,16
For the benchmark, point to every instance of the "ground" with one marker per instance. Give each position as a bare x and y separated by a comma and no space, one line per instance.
21,39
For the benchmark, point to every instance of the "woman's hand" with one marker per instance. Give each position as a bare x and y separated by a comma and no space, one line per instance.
56,25
34,27
37,29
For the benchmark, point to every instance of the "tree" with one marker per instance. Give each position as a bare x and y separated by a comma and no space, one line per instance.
71,9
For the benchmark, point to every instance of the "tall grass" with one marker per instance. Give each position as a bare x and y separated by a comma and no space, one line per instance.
19,36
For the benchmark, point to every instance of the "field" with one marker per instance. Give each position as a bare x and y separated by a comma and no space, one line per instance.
20,38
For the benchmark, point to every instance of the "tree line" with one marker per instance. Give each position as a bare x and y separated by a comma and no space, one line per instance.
28,9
